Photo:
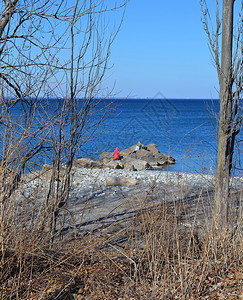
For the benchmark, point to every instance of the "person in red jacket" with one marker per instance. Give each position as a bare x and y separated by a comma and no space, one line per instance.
116,153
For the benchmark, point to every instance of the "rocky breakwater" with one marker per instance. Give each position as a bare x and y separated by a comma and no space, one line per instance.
136,158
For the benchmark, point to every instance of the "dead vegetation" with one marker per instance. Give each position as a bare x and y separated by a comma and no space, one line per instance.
166,251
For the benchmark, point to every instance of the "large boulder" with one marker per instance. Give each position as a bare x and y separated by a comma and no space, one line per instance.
138,164
153,148
143,155
106,156
131,149
113,164
128,165
85,163
164,159
120,181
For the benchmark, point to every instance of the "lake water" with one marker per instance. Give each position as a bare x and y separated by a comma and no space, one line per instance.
185,129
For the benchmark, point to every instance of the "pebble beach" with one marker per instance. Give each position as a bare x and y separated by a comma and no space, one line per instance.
91,200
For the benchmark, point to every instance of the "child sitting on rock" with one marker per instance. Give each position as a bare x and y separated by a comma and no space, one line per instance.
116,154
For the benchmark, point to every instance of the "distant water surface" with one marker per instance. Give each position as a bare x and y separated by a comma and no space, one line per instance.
186,129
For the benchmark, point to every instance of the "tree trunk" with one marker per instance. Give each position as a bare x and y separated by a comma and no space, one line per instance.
225,149
6,16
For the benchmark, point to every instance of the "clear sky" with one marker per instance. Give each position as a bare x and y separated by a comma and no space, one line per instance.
162,47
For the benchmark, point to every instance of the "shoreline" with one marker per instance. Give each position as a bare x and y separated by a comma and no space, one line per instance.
93,205
86,182
149,175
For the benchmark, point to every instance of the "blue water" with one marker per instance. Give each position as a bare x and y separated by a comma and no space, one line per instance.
185,129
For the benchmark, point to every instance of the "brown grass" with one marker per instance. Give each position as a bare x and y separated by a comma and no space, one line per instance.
167,251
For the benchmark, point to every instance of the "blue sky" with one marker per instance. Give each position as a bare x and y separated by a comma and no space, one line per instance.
162,47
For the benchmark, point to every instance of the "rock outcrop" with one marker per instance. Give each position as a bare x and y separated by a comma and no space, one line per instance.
149,153
136,158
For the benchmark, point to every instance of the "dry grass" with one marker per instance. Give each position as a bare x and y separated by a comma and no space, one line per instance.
167,251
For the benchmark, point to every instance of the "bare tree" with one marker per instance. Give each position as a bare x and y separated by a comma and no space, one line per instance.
226,47
84,72
57,49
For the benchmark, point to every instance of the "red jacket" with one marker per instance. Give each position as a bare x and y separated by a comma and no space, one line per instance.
116,153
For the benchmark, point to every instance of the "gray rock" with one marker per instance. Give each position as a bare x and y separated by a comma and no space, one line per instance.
143,154
84,163
131,149
153,148
105,155
113,164
138,164
120,181
128,165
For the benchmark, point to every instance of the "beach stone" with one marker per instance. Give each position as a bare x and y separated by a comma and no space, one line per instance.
131,149
105,155
128,166
120,181
143,154
83,163
138,164
153,148
163,159
88,163
114,164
